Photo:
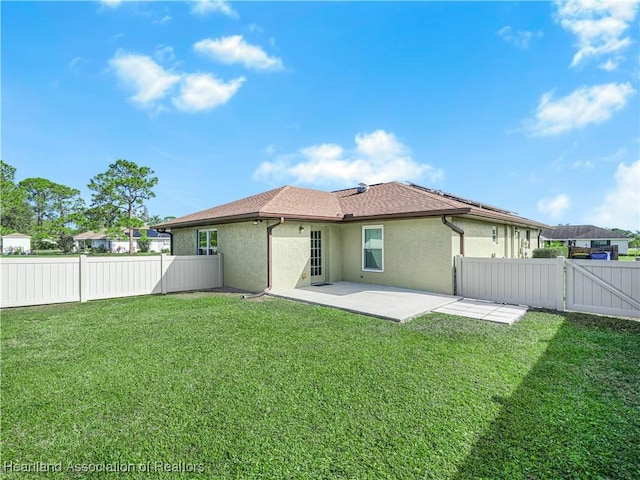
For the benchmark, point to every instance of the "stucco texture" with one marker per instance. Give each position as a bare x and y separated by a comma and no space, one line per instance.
511,240
244,246
417,254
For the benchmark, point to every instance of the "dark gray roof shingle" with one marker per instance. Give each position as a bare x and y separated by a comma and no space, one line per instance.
580,232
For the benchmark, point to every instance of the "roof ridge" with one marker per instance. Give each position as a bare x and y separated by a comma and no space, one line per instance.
265,204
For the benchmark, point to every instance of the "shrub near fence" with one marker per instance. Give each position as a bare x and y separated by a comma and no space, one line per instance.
550,252
36,281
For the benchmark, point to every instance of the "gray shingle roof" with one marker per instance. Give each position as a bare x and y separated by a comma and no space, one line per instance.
580,232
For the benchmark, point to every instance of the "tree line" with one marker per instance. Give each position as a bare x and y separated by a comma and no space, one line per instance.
51,213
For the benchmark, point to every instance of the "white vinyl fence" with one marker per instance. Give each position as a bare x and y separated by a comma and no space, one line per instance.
536,282
597,286
36,281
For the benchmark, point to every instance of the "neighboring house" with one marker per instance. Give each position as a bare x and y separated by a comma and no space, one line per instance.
587,236
390,234
16,243
87,240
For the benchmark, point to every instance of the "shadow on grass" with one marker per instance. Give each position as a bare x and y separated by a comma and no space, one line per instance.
575,415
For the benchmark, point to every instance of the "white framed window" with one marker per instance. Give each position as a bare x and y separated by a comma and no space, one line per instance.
494,234
207,242
373,248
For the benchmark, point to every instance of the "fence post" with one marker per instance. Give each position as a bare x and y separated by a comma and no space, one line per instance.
84,278
163,266
560,284
220,270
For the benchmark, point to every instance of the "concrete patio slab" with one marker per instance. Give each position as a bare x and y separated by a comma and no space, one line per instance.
397,304
493,312
400,304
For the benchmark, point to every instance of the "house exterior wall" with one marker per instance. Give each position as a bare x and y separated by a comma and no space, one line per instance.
623,245
417,254
511,240
14,244
292,251
244,246
184,241
334,257
290,255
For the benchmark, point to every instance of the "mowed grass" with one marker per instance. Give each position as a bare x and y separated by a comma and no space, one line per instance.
268,388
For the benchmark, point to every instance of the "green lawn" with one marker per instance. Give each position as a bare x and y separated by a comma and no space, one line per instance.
268,388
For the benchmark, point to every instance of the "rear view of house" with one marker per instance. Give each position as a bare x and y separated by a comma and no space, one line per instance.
393,234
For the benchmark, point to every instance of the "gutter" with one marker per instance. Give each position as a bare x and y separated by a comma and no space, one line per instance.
456,229
269,260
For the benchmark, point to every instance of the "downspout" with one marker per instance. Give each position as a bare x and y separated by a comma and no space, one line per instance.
170,242
460,232
456,229
269,260
270,254
164,230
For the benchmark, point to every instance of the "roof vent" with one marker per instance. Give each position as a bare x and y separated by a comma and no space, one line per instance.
362,187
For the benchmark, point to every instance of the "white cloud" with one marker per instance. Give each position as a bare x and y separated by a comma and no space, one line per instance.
163,21
377,157
583,165
599,26
621,206
520,38
584,106
149,81
203,92
204,7
234,49
554,207
111,3
164,53
74,65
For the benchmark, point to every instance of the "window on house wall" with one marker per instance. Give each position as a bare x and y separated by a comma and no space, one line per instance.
600,243
494,234
208,242
373,248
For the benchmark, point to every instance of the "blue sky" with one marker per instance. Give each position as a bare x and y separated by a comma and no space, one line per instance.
532,107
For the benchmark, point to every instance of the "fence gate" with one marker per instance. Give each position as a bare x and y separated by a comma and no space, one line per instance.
599,286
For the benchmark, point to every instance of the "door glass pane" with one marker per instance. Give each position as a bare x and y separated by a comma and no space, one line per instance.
316,253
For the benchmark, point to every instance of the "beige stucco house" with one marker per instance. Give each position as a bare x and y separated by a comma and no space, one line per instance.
392,234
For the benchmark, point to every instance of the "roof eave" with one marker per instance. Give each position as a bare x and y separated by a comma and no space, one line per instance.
248,217
401,215
506,219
